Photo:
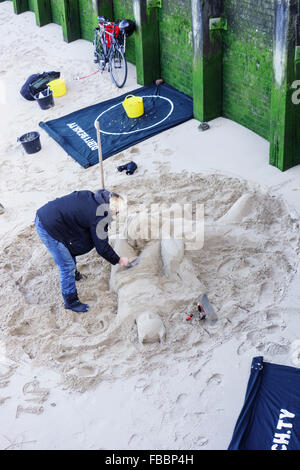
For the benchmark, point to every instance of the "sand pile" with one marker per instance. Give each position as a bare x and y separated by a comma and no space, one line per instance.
248,260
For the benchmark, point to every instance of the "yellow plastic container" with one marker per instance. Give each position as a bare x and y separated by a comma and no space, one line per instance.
58,87
133,106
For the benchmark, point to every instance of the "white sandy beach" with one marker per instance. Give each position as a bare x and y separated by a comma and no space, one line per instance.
85,382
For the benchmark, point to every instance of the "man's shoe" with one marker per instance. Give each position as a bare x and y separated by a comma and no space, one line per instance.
72,302
78,276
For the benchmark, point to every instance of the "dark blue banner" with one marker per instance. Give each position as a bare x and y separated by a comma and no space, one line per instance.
270,418
164,107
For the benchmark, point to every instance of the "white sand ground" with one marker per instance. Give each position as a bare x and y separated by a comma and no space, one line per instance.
70,382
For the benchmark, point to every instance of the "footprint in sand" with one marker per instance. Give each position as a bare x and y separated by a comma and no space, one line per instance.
214,381
181,399
23,330
226,266
202,441
135,441
142,383
193,441
254,338
134,150
64,357
4,383
274,349
6,372
3,400
87,371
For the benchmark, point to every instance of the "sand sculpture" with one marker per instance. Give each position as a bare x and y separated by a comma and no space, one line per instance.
164,266
144,289
243,267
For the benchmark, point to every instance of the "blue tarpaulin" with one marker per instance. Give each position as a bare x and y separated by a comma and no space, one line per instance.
270,417
164,107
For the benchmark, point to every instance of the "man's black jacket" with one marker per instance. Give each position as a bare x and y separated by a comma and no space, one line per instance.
72,220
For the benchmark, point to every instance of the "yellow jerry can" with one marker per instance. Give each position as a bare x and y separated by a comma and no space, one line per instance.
58,87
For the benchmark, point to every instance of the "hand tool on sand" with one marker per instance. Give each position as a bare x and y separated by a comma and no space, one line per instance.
133,263
205,309
203,126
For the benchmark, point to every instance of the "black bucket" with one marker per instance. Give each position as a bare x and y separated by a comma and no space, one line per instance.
45,99
31,142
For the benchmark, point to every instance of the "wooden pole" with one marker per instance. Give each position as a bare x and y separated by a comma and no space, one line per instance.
100,154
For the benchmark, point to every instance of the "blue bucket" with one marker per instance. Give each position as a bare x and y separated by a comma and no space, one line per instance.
30,142
45,99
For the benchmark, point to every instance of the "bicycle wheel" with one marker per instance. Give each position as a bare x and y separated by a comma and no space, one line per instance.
118,67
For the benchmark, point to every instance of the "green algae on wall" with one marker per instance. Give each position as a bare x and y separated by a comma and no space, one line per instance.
248,63
207,60
285,114
176,44
88,18
146,42
20,6
31,5
57,11
123,9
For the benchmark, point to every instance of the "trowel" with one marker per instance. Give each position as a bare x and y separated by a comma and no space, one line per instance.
133,263
206,310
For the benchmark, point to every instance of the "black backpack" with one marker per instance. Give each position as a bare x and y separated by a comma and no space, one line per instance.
36,83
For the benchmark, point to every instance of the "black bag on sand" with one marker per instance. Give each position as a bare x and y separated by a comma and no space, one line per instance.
36,83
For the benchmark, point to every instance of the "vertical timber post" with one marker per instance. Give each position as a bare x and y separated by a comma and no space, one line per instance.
104,8
208,58
285,111
43,14
70,20
146,41
20,6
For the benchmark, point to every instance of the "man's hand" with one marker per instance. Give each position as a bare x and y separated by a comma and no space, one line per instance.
124,261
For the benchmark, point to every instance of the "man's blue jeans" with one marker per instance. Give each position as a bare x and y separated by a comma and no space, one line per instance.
65,261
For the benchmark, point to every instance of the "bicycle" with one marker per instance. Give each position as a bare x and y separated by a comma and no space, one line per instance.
109,48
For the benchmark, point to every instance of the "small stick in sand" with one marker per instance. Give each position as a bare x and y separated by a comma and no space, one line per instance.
100,154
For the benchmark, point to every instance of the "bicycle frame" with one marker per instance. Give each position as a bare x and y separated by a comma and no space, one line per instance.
109,47
107,51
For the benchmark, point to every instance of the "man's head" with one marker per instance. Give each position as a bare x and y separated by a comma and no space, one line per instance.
115,203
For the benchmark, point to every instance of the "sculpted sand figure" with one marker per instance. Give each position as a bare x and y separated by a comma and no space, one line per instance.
165,276
162,278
